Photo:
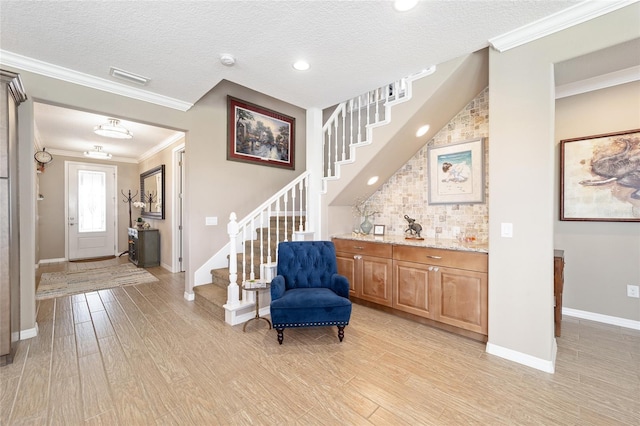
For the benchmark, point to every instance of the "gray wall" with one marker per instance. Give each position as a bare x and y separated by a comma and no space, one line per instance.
214,186
602,258
522,167
51,223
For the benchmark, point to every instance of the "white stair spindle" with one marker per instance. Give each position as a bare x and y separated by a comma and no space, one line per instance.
233,290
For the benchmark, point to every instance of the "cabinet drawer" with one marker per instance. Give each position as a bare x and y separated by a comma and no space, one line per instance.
363,247
470,261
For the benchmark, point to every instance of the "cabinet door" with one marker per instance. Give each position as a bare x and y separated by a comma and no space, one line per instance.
376,279
413,288
346,267
462,297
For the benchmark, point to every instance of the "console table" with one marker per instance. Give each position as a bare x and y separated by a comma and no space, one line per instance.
144,247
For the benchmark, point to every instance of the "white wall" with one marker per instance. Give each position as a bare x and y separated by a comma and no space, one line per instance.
521,172
601,257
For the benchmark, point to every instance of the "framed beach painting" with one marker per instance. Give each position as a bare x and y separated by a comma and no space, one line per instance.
600,177
456,172
259,135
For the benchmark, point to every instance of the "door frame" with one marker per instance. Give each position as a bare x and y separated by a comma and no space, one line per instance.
177,216
67,163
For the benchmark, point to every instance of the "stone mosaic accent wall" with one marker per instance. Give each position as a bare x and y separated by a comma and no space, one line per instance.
406,192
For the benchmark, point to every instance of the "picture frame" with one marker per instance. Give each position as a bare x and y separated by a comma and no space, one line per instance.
456,173
378,230
259,135
600,177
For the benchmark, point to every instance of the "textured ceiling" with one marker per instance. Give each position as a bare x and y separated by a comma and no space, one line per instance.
352,46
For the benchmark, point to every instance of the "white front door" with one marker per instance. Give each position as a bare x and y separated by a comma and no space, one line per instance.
91,210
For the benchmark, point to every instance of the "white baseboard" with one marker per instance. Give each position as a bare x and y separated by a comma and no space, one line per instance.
167,267
606,319
525,359
29,333
189,296
59,260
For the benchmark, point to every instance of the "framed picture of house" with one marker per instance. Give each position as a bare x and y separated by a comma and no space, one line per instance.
600,177
259,135
456,172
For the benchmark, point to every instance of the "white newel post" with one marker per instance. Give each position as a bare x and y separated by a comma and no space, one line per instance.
233,291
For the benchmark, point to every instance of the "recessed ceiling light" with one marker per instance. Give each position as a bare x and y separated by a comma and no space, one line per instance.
301,65
372,180
404,5
422,130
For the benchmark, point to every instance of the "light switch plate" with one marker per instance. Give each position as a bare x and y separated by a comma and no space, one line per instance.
506,230
211,220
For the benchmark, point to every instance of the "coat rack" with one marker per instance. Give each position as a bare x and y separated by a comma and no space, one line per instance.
129,199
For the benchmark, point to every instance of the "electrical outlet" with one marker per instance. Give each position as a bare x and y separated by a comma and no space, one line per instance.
633,291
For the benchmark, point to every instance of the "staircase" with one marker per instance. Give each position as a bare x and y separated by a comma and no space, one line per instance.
213,296
350,129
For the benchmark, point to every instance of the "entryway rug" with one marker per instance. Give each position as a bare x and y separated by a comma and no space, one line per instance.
56,284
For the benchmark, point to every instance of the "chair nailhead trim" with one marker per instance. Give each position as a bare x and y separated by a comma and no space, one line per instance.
311,324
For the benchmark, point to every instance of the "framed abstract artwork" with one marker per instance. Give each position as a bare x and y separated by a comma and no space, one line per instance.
456,172
600,177
259,135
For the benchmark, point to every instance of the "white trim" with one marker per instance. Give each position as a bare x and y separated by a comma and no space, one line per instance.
29,333
71,76
559,21
189,296
606,319
525,359
175,214
77,154
57,260
615,78
164,144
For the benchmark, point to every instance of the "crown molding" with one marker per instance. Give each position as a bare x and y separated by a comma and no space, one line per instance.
77,154
559,21
615,78
156,149
82,79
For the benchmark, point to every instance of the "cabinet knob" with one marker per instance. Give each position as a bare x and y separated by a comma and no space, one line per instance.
436,269
357,257
431,268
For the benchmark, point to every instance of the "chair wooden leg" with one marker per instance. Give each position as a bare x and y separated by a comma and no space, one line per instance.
341,332
280,336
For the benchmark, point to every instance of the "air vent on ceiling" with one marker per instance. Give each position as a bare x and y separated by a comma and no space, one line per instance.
129,76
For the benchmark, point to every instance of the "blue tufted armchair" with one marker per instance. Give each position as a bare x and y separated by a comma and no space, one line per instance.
307,290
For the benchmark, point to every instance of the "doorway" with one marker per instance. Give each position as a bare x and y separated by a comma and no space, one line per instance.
90,204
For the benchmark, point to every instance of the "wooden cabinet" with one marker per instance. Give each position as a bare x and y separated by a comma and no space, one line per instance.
144,247
368,268
447,287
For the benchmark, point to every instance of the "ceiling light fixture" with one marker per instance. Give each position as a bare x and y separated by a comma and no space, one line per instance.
301,65
98,153
404,5
227,60
113,129
372,180
422,130
129,76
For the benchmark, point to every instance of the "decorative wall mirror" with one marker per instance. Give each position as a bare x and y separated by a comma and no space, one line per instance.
152,193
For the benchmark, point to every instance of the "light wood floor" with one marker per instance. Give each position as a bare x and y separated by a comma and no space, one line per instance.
144,355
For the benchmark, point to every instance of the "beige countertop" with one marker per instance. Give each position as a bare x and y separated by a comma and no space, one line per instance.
440,243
